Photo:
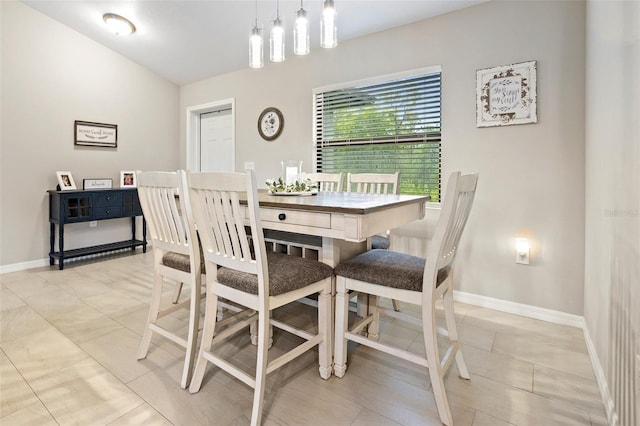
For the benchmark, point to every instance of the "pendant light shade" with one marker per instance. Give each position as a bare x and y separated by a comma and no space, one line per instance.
256,44
328,28
276,40
256,48
301,27
301,33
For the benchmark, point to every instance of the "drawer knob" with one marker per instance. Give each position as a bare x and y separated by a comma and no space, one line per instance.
282,216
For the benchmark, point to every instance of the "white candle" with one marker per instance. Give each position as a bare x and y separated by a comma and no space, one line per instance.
290,175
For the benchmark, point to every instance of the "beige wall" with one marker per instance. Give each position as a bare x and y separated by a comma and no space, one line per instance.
612,273
51,76
531,176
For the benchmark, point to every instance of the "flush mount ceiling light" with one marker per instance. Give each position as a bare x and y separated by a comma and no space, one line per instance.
118,24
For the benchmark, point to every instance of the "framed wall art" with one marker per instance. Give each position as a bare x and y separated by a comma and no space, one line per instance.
65,180
95,134
127,179
506,95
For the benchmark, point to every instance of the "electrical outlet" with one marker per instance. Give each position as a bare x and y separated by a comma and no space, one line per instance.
522,258
93,224
522,251
249,165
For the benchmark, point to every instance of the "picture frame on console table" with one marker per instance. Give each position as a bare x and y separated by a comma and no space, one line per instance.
102,183
65,181
127,179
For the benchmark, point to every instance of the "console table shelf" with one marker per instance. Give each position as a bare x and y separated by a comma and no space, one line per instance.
86,206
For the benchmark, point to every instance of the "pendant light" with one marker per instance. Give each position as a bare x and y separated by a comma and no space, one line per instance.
301,32
256,45
328,29
277,38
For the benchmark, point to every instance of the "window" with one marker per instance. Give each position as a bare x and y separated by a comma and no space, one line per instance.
383,126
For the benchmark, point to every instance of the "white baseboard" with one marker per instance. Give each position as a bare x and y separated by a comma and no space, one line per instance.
45,262
22,266
521,309
601,379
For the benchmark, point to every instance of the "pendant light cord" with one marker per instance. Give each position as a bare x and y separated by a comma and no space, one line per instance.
256,13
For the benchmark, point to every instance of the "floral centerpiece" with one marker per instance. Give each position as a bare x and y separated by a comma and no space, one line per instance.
278,186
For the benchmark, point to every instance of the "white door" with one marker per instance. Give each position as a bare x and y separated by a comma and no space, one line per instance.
216,141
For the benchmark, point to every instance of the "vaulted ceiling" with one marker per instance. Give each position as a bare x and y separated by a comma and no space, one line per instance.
187,41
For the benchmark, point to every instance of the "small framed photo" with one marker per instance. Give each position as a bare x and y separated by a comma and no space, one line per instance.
65,180
127,179
102,183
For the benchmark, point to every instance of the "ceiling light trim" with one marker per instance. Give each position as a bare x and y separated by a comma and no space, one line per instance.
119,25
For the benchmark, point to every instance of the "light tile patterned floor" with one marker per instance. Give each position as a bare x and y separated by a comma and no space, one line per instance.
68,342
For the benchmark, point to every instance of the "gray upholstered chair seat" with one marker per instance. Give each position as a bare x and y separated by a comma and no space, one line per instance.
379,242
286,273
179,261
387,268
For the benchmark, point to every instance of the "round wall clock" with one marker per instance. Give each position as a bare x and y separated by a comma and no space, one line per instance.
270,123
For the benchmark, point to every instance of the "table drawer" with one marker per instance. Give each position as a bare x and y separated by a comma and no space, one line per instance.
108,199
294,217
107,212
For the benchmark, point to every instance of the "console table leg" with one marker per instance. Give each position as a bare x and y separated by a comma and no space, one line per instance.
52,241
61,246
144,235
133,233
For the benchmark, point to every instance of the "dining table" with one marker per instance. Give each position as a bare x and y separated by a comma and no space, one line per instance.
342,222
339,225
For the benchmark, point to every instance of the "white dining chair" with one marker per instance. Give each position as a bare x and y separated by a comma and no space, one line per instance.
414,280
176,261
375,183
331,182
251,276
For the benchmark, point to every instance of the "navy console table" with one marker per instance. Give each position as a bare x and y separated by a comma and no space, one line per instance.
85,206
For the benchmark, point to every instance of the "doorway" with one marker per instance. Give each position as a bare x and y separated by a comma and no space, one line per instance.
216,141
211,136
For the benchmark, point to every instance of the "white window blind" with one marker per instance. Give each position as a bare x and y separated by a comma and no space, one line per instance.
383,127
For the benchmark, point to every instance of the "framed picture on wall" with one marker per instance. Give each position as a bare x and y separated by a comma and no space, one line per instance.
127,179
95,134
506,95
65,180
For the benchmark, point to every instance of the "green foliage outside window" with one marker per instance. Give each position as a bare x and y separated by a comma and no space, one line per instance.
377,129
